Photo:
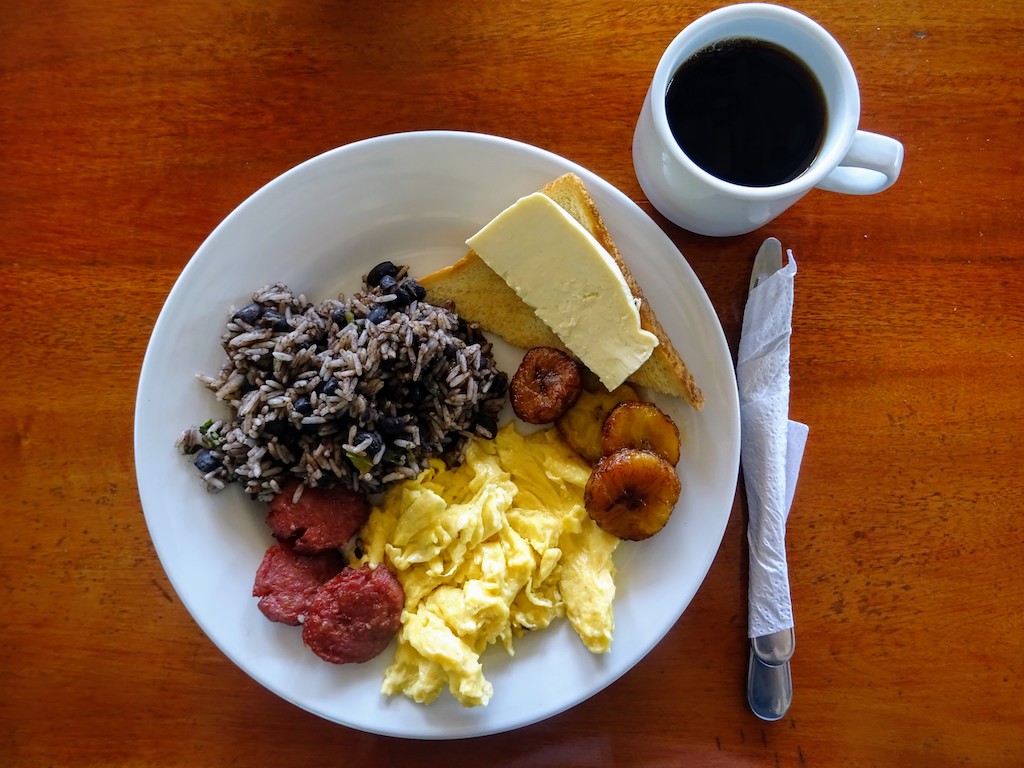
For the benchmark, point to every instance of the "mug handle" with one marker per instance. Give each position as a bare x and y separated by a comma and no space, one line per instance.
871,165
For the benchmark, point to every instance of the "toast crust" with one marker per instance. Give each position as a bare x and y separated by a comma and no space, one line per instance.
481,296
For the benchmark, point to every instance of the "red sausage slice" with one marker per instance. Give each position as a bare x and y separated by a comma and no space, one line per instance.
321,519
287,581
354,615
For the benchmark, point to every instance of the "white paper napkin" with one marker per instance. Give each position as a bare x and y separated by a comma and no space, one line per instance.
771,446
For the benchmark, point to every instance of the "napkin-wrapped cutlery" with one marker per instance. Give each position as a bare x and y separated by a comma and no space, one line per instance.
771,450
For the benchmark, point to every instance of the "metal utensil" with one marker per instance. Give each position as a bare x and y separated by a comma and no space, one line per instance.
769,677
769,688
776,648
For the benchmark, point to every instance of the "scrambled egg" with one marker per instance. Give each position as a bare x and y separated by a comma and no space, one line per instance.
486,551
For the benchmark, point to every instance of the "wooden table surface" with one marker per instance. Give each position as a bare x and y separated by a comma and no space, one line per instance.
128,130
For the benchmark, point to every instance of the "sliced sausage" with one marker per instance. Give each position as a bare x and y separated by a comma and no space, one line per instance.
320,519
354,615
287,581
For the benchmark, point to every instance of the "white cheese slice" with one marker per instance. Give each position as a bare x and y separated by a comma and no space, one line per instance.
571,282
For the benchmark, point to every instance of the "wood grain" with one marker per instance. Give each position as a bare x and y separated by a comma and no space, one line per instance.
129,130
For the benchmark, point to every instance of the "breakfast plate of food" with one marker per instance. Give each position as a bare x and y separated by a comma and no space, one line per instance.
437,435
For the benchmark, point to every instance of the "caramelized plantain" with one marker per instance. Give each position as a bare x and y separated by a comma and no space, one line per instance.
547,383
637,424
581,425
631,493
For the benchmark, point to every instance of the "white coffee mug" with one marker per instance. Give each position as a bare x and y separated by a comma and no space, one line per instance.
850,160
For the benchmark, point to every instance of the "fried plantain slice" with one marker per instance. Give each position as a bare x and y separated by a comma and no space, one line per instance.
581,425
631,493
547,383
636,424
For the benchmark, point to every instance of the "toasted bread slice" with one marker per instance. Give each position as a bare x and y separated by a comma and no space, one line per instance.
481,296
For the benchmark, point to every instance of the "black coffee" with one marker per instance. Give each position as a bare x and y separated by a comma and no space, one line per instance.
748,112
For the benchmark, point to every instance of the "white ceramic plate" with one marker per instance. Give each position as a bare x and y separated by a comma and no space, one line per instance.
413,198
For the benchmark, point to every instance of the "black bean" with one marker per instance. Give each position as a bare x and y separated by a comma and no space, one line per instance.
249,314
303,405
388,284
416,290
205,461
401,297
378,314
375,445
391,426
339,318
329,387
373,277
275,320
